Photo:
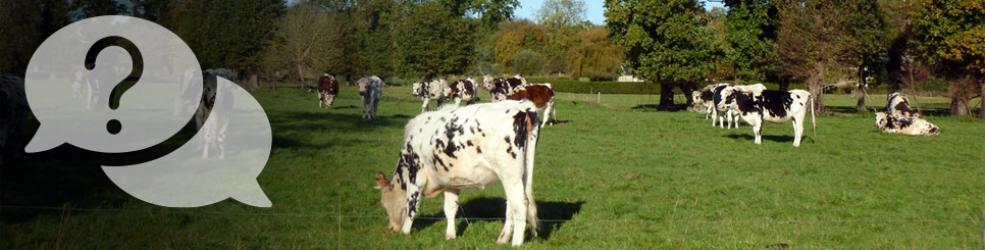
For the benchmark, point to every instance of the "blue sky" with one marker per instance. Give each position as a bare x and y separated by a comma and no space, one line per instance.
594,11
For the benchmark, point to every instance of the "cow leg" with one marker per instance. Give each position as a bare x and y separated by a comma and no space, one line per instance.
507,225
413,203
736,120
547,113
424,106
451,207
798,130
757,129
714,116
728,118
321,101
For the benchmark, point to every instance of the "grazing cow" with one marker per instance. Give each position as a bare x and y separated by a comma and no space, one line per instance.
328,88
542,95
900,118
14,114
431,87
500,88
458,148
706,99
370,89
458,91
888,123
755,104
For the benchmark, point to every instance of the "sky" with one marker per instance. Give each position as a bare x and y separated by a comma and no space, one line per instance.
594,11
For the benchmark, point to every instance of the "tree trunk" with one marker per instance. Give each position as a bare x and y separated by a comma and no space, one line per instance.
785,84
981,95
666,96
860,105
304,84
254,81
816,87
687,93
959,105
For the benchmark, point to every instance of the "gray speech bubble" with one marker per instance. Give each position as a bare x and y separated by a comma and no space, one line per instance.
73,74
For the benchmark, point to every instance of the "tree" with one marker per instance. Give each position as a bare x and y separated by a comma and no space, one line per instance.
665,42
595,56
750,30
950,35
205,27
862,42
91,8
561,13
302,40
433,41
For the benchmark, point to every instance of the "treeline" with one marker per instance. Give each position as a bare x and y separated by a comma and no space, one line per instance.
271,41
680,45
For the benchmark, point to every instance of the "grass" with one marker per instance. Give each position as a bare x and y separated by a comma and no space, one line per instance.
609,176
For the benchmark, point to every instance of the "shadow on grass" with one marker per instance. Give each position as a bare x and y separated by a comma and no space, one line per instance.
655,107
776,138
552,214
325,120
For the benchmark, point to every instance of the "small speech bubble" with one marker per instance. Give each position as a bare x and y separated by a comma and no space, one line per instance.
73,83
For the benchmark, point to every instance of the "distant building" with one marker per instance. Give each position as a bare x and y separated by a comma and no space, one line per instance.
626,76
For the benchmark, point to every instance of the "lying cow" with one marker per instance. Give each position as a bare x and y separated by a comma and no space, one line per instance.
370,89
542,95
328,89
465,147
900,118
888,123
756,104
431,87
500,88
458,91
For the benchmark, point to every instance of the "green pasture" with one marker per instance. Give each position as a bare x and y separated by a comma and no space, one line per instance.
613,174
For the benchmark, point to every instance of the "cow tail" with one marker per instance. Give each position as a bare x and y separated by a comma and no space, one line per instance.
813,120
533,128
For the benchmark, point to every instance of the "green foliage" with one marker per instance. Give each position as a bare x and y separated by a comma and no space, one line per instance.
750,30
432,40
527,62
665,41
595,55
593,87
950,34
226,33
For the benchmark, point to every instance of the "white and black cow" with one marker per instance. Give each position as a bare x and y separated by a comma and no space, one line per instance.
458,148
501,88
707,98
458,91
328,88
431,87
370,89
899,118
756,104
214,125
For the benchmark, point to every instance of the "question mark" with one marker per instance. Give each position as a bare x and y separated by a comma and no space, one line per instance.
113,126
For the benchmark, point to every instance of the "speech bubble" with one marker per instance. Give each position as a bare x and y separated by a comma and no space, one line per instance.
69,85
146,112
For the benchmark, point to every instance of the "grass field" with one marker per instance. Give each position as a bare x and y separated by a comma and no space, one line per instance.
610,176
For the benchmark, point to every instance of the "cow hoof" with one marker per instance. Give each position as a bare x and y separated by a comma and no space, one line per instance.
449,237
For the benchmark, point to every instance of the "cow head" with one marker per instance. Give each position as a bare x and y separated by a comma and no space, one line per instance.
728,99
394,201
696,98
416,90
882,120
487,82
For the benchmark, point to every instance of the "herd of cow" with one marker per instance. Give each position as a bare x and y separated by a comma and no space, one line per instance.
454,147
725,104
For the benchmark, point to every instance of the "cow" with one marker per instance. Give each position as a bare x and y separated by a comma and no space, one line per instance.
208,93
542,95
706,99
899,106
328,88
888,123
456,148
370,89
14,113
213,125
900,118
431,87
500,88
458,91
756,104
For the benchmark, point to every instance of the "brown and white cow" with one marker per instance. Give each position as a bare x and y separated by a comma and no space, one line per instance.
500,88
458,91
465,147
542,95
328,89
756,104
431,87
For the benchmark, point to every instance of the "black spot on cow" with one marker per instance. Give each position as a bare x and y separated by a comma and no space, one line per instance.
905,123
412,203
707,95
776,102
478,149
469,143
451,129
745,101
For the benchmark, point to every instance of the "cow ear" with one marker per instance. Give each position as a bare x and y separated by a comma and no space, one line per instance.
381,181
